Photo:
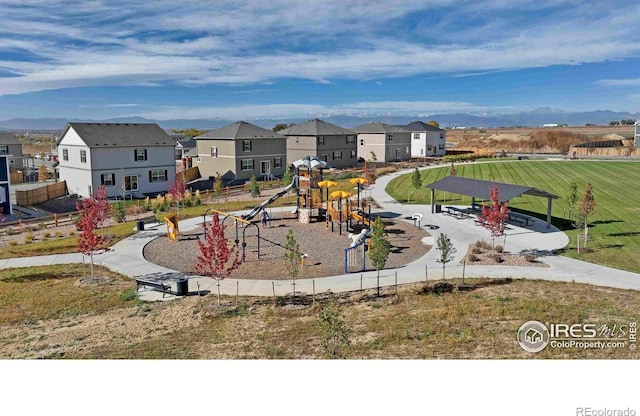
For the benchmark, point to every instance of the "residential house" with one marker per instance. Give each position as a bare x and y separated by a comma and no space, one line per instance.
239,151
330,143
10,145
426,140
130,159
383,142
183,145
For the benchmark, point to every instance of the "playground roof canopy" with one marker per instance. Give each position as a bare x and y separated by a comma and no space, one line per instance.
480,189
310,162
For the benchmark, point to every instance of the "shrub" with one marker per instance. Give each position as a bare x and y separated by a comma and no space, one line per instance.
28,238
498,258
71,233
58,234
12,242
42,226
473,257
10,231
133,210
476,250
499,249
530,257
46,234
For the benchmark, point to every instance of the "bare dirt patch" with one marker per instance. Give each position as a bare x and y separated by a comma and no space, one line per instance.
482,254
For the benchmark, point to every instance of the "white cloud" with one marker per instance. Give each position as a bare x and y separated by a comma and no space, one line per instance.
75,44
292,110
629,82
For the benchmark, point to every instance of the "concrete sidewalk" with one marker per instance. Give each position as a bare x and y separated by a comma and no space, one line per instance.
126,258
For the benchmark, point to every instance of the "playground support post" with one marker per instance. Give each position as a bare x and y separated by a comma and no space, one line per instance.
313,299
273,288
464,266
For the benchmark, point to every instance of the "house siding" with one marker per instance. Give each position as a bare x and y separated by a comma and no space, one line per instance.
299,147
16,161
384,150
230,155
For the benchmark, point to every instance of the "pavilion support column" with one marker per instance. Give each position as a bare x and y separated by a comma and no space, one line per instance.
433,208
548,213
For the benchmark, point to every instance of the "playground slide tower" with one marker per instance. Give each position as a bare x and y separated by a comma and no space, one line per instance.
269,201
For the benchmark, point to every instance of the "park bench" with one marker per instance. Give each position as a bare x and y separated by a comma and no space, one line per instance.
520,219
155,285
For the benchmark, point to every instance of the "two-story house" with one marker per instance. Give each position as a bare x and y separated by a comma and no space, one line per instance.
426,140
330,143
10,145
130,159
239,151
383,142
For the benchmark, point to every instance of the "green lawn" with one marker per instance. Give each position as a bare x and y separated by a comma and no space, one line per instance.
615,228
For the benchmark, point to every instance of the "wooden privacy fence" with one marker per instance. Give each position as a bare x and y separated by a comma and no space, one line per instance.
16,176
603,151
39,195
187,175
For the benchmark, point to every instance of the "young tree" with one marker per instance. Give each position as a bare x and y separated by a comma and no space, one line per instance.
292,259
452,170
176,190
379,249
334,329
216,259
447,251
42,173
571,199
288,176
217,185
88,240
416,180
587,208
254,187
118,212
492,218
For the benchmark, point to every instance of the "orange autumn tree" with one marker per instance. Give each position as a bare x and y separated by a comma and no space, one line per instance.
217,258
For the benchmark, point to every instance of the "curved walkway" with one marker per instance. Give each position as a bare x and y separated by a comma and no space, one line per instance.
126,258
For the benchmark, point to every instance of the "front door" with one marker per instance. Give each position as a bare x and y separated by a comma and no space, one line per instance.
265,167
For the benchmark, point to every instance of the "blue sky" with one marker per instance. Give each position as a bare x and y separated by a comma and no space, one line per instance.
259,59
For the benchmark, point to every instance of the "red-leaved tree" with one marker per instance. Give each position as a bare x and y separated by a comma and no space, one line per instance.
88,240
176,190
104,208
492,217
217,258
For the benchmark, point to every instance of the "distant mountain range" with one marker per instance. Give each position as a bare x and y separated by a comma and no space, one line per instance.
534,118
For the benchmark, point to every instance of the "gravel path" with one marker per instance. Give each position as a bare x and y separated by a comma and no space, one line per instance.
324,248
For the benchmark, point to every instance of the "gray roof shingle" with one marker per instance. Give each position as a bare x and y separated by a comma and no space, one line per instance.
120,134
379,128
238,131
316,127
421,126
8,138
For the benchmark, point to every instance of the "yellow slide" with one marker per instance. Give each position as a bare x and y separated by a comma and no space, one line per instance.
359,218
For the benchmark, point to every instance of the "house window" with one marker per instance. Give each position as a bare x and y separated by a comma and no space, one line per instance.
390,138
65,154
337,155
353,154
83,156
406,150
321,141
131,183
429,147
416,136
246,145
158,175
4,149
325,158
214,151
277,162
351,139
265,167
442,135
441,146
246,164
140,155
108,179
422,151
361,142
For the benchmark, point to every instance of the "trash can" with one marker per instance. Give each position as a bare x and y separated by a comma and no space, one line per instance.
182,287
140,225
438,209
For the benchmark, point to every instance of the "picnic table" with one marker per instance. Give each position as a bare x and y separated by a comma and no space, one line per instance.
458,213
520,219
